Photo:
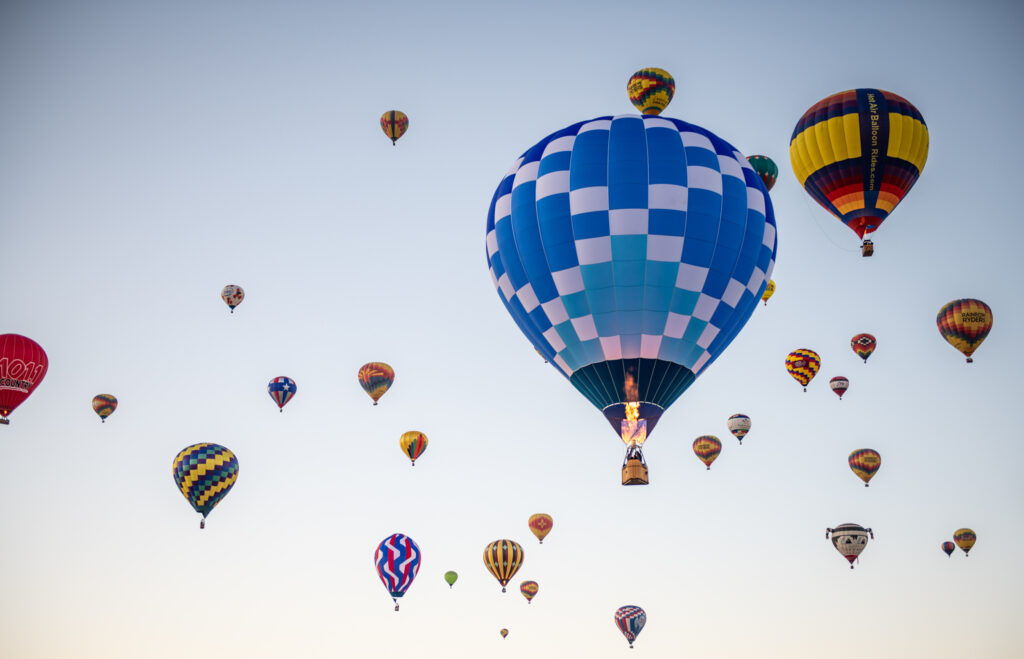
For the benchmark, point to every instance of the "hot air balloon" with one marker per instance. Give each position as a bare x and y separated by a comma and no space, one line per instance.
281,389
394,124
503,632
540,525
104,405
707,448
413,444
529,590
850,540
232,296
768,291
948,547
965,539
23,366
965,324
863,345
651,90
858,153
205,473
739,426
766,169
450,577
397,560
376,378
803,364
865,462
623,249
503,558
630,620
839,385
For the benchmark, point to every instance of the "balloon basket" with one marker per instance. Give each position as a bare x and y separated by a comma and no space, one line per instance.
5,422
634,472
867,248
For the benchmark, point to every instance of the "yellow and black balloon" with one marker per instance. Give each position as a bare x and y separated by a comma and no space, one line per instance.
205,473
651,90
394,123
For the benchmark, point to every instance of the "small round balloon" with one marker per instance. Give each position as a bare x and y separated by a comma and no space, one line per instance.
529,590
739,426
376,378
863,345
540,525
104,405
281,390
450,577
651,90
865,462
707,448
394,124
965,539
839,385
948,547
413,444
850,540
769,291
803,364
503,632
965,324
232,296
766,169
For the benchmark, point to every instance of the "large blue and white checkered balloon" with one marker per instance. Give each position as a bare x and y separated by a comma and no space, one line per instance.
631,250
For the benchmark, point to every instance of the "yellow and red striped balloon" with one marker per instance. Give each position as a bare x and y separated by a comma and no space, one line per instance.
803,364
707,448
865,462
503,559
104,405
529,590
965,324
651,90
413,444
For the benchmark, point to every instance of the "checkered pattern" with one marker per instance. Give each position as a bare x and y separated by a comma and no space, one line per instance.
205,473
631,237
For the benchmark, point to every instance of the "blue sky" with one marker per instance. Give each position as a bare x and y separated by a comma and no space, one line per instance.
151,154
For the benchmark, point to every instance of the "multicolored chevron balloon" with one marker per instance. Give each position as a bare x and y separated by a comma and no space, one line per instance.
803,364
965,324
865,462
863,344
376,378
398,561
707,448
205,473
766,169
104,405
651,90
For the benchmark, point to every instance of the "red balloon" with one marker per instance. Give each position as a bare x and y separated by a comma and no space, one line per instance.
23,365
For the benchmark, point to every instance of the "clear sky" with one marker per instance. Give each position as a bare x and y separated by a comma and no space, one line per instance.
152,152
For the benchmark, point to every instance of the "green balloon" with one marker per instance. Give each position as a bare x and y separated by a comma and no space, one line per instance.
450,577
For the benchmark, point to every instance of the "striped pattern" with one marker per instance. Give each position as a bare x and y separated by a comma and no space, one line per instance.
948,547
769,291
839,385
630,620
503,559
965,324
803,364
397,560
232,296
865,462
394,124
413,444
965,539
739,426
104,405
281,390
376,378
540,525
858,153
205,473
631,251
863,345
23,365
707,448
766,169
529,590
849,540
651,90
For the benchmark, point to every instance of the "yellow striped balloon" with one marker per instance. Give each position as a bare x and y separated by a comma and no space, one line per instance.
529,589
865,462
707,448
413,444
651,90
503,559
803,364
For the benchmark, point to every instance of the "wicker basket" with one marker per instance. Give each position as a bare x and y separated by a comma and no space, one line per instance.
867,248
634,472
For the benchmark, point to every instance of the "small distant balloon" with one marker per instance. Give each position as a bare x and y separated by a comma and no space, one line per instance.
413,444
204,474
651,90
865,462
376,378
965,539
739,426
707,448
232,296
766,169
839,385
104,405
529,590
803,364
948,547
965,324
394,124
282,390
450,577
630,620
849,540
863,345
503,632
540,525
769,291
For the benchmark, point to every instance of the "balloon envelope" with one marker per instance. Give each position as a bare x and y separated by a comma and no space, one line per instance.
965,539
450,577
631,251
739,426
23,366
503,559
529,589
630,620
104,405
865,462
413,444
651,90
397,560
204,474
376,378
394,123
769,291
858,153
232,296
965,324
281,390
707,448
540,525
863,345
803,364
948,547
839,385
849,540
766,169
503,632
